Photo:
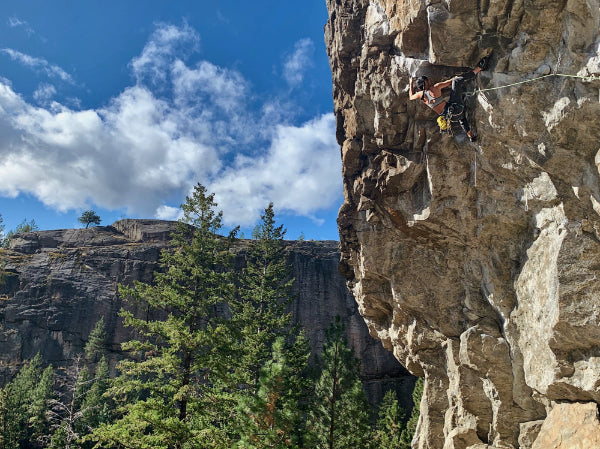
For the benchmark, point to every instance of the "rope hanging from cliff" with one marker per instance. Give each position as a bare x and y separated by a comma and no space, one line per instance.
587,78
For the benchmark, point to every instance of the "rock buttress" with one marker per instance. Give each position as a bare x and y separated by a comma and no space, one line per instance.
478,265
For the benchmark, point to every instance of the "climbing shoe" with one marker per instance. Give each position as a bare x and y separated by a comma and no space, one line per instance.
484,63
473,138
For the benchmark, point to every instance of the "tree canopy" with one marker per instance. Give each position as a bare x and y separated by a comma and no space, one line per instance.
215,361
89,217
339,416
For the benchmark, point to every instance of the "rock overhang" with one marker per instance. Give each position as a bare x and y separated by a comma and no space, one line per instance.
445,243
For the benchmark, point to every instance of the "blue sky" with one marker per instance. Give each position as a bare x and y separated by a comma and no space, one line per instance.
122,106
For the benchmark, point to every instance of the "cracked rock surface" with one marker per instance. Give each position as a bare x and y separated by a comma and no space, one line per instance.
478,265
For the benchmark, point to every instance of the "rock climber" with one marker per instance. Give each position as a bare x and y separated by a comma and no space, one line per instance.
431,94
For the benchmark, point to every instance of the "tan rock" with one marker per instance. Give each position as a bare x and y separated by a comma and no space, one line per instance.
528,433
570,426
477,265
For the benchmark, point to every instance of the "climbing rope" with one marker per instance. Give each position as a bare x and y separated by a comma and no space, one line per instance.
587,78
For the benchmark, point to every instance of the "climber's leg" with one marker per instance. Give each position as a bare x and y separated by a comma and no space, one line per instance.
457,89
464,123
467,75
458,85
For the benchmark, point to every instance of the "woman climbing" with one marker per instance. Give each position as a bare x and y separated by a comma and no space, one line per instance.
431,94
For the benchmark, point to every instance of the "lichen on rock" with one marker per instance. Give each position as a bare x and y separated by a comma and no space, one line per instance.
476,264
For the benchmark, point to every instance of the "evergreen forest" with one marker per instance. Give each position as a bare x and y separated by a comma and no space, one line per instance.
222,368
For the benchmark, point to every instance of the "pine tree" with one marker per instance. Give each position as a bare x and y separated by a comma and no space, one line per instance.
96,409
89,217
271,416
168,391
260,315
340,414
96,346
84,411
265,291
24,226
411,426
298,355
24,404
4,419
390,424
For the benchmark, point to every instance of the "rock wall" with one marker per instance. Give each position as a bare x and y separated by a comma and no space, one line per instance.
477,264
57,285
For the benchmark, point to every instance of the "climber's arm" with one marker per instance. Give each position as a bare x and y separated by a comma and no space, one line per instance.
444,84
413,95
466,76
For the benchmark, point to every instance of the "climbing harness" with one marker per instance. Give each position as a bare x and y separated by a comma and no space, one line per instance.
452,115
587,78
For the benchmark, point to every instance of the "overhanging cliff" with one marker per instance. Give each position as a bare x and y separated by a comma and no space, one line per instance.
477,264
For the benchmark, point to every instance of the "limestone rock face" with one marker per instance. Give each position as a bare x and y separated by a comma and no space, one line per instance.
554,434
477,264
57,285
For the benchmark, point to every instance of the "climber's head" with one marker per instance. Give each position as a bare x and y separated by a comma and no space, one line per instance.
422,82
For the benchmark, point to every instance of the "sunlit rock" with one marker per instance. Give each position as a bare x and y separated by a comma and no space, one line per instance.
476,264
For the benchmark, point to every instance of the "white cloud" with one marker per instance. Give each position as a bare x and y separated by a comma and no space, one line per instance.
154,142
300,173
51,70
296,64
166,42
225,89
129,154
15,22
168,213
44,93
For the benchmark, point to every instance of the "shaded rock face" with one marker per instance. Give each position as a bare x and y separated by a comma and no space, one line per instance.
57,285
477,264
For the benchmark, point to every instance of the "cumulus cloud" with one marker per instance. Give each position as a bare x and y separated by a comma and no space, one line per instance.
296,64
51,70
300,173
223,88
129,154
152,143
168,213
